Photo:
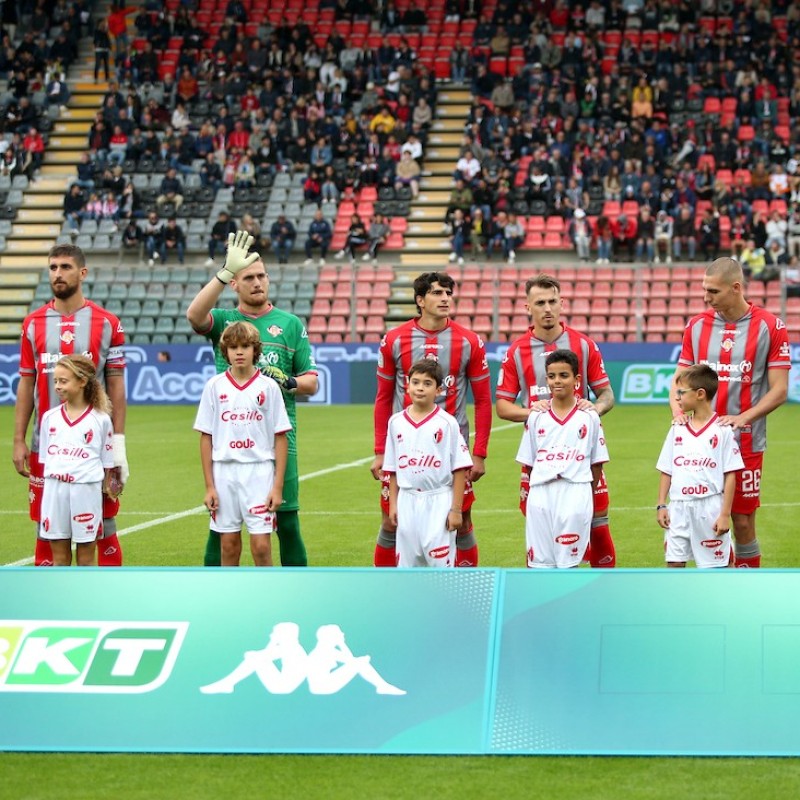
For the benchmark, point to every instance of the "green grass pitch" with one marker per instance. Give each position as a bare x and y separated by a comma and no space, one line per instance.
164,526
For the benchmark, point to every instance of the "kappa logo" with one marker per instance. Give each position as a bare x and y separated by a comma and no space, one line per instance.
284,665
87,657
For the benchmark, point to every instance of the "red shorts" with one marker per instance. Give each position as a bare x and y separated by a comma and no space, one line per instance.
36,487
469,495
747,497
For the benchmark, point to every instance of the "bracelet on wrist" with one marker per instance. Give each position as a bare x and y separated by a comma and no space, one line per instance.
660,506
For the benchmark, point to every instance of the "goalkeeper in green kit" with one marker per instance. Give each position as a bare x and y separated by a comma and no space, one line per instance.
286,358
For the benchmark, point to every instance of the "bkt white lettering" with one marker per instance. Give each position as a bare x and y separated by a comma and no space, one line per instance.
69,452
683,461
242,444
242,416
559,455
696,490
422,461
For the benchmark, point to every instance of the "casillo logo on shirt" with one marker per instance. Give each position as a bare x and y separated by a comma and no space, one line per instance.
424,460
573,454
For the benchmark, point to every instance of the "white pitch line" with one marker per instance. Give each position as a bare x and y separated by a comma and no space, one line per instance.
23,562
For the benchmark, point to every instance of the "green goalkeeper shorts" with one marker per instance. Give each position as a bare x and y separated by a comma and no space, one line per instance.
291,486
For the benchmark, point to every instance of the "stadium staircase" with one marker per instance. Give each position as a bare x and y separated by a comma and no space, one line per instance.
40,208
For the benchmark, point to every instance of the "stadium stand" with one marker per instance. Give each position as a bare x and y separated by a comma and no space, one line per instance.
276,109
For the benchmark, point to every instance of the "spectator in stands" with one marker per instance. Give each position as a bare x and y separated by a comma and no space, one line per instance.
777,228
758,228
407,173
312,188
383,122
378,233
152,230
604,236
739,234
496,233
775,257
479,231
663,237
467,167
57,91
461,199
356,237
684,233
173,239
514,233
331,186
282,237
759,182
170,191
613,187
460,235
117,146
319,236
580,234
85,170
709,235
74,202
132,237
109,207
251,225
34,147
102,47
211,173
645,234
218,240
245,174
624,230
793,233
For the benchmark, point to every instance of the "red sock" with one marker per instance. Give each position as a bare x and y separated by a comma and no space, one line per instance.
603,555
109,552
748,562
43,554
385,556
468,557
587,556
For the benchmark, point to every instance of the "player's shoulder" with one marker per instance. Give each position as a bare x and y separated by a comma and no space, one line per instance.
574,333
760,314
51,412
102,312
466,333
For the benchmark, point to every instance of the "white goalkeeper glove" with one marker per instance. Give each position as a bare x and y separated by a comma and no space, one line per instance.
237,259
120,457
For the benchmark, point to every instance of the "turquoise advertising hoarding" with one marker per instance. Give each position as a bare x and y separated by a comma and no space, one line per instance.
635,662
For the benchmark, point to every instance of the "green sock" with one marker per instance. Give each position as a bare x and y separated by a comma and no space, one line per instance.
213,556
293,551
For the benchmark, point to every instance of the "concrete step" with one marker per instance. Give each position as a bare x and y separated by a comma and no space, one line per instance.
51,215
79,114
431,212
434,196
424,260
63,157
54,172
14,313
68,141
15,278
79,127
17,261
43,200
437,183
49,184
34,230
452,95
453,111
446,138
431,228
426,245
442,153
37,247
9,332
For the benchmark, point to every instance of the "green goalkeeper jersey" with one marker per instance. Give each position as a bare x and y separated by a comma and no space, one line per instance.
285,345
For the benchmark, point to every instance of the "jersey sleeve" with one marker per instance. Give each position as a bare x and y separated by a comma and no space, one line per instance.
779,354
687,356
482,395
303,362
664,463
384,398
731,455
599,448
213,326
107,450
596,369
527,445
205,411
115,360
44,435
508,385
459,456
27,358
280,419
390,454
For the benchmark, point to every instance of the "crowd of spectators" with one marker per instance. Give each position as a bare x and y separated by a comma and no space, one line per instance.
652,129
240,105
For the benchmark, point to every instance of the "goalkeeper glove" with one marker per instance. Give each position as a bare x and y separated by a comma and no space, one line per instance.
120,457
237,258
286,382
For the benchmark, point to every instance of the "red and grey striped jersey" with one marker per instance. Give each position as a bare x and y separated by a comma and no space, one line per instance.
742,353
523,370
47,335
462,357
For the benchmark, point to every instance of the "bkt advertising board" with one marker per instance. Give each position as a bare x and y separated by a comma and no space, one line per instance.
176,374
482,661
